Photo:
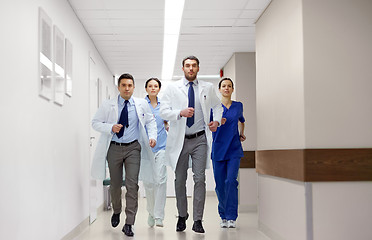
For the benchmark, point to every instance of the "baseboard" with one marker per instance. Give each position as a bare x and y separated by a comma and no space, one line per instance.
81,227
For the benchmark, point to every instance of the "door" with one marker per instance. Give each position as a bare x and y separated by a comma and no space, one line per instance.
94,101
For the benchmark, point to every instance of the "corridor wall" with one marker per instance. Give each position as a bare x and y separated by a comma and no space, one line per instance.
44,157
314,117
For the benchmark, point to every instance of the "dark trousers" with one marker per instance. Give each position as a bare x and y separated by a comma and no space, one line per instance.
130,156
197,149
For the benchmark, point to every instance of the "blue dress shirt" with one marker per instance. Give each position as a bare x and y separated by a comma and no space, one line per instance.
131,133
162,133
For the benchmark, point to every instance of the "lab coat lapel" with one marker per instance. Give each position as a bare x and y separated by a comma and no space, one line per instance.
182,87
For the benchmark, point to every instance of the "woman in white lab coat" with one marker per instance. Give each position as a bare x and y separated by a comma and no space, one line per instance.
156,190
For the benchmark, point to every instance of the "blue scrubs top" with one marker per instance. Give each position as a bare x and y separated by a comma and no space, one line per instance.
226,140
162,134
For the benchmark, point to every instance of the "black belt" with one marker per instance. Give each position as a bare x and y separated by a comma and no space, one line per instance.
123,144
195,135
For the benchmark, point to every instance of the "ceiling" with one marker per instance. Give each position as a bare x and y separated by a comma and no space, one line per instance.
129,34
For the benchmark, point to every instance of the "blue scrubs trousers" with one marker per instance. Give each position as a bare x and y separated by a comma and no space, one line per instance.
225,176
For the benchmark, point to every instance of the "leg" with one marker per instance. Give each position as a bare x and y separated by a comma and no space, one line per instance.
199,160
180,181
231,207
115,164
220,172
132,165
150,197
161,184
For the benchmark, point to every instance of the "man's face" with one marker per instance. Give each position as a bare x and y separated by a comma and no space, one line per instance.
126,88
191,69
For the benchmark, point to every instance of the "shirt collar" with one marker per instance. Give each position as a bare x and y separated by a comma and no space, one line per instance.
121,100
186,82
148,99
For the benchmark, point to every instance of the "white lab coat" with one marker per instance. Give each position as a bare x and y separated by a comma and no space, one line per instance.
105,117
175,99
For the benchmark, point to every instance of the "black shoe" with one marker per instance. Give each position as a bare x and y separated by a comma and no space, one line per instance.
127,229
198,227
115,219
181,224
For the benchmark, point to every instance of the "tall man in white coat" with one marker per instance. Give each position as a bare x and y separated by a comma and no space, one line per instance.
187,105
123,140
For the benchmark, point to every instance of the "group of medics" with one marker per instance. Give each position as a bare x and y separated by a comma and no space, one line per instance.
186,128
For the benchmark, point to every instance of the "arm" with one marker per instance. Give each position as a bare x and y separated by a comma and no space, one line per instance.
99,121
241,124
166,107
150,124
241,131
217,111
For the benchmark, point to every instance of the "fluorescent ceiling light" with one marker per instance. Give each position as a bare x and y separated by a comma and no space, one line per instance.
172,23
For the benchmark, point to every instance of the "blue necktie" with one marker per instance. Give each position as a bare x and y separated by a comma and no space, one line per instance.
123,120
190,120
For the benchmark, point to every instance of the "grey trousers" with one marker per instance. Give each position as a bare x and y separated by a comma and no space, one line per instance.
130,156
197,149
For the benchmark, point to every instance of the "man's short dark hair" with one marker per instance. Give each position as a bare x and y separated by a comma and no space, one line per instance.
191,58
125,76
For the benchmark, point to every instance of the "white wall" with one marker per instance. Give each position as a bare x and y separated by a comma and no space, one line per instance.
229,70
282,208
338,73
280,80
313,91
44,166
342,210
241,68
245,90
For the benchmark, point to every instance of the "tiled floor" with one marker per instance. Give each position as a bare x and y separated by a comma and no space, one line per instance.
246,225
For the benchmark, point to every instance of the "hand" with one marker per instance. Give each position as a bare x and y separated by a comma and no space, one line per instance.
152,142
223,120
116,128
242,137
213,126
187,112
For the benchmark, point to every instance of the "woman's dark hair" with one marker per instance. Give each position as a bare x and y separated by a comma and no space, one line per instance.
223,79
155,79
191,58
125,76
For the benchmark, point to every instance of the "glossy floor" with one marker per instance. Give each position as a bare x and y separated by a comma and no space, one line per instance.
246,225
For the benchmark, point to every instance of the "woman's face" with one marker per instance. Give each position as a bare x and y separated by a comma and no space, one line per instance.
152,88
226,88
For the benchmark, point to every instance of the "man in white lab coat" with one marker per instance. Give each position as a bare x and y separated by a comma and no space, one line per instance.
123,140
187,105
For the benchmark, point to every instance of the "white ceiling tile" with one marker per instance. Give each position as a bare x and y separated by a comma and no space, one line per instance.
132,5
208,22
91,14
245,22
129,34
87,4
257,4
135,14
215,4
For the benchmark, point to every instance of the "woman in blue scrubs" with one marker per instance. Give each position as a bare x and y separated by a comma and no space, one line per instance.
226,153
